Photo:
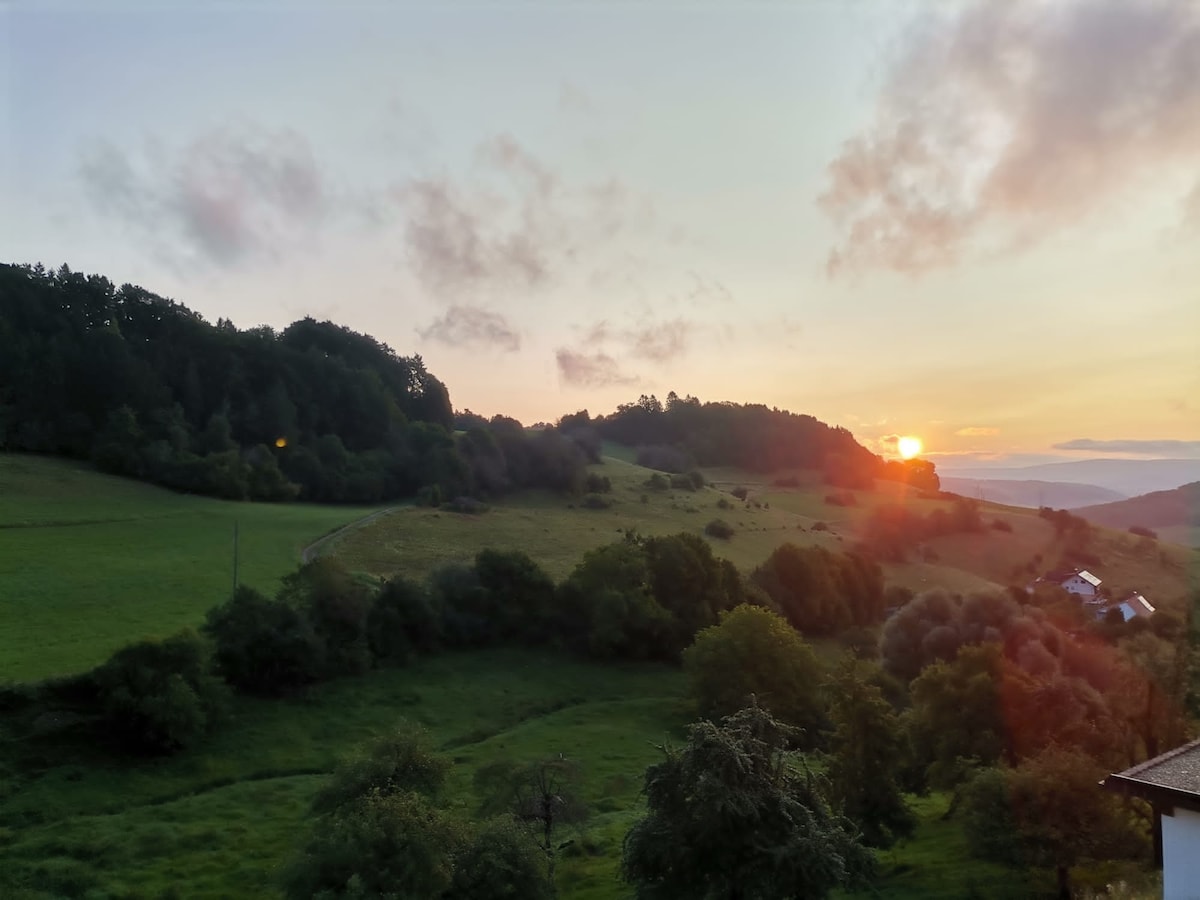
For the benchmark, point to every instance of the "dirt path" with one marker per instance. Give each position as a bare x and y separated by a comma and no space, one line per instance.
313,550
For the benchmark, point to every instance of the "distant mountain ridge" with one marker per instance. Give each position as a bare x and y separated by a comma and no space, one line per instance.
1058,494
1128,477
1159,509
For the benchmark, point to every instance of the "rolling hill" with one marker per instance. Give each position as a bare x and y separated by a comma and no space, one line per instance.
1034,494
1174,514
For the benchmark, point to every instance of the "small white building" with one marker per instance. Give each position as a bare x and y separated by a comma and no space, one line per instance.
1171,785
1079,582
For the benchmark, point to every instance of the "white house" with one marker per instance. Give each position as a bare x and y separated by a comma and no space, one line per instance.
1171,785
1079,582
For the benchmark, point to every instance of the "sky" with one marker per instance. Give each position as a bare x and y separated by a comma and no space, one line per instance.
974,222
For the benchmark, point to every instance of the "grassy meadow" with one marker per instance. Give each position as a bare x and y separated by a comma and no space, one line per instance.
219,821
90,562
557,531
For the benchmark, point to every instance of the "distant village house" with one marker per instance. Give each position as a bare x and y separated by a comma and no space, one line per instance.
1080,582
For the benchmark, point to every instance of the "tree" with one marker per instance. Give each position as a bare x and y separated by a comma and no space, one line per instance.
382,845
1049,812
402,622
500,863
755,656
395,763
263,646
866,754
520,595
160,696
336,605
544,797
731,818
956,721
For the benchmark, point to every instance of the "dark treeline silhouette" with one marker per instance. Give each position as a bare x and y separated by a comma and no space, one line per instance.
147,388
683,432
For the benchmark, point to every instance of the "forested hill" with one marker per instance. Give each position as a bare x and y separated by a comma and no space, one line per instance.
684,432
148,388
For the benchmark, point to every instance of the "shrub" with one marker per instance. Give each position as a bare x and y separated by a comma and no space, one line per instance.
400,762
1142,531
1001,525
740,492
690,481
841,498
719,528
598,484
820,526
657,482
466,505
595,501
664,458
402,622
263,646
724,504
160,696
429,495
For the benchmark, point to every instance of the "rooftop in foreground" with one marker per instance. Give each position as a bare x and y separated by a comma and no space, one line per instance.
1172,779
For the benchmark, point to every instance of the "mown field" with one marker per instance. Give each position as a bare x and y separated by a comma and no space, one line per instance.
89,562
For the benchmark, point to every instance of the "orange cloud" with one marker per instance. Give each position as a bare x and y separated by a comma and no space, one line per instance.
977,431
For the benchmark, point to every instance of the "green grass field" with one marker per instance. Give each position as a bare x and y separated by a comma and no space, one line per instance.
90,562
220,820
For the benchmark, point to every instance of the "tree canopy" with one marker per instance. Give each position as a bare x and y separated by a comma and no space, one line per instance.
731,817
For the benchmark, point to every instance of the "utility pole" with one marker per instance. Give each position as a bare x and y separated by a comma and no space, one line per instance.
235,557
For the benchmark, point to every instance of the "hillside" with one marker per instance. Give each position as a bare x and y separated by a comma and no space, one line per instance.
90,562
1033,494
1174,514
556,531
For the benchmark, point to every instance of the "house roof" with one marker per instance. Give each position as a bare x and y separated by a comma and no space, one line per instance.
1172,779
1089,577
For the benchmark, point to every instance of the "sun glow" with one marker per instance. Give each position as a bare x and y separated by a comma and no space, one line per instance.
909,446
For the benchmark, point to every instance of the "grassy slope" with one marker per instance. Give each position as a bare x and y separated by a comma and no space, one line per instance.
220,820
89,562
415,540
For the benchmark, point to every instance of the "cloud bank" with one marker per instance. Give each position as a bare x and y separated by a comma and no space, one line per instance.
1147,448
977,431
1013,119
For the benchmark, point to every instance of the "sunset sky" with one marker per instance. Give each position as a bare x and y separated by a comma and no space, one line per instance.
977,222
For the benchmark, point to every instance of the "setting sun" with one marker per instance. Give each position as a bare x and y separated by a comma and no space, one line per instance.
909,446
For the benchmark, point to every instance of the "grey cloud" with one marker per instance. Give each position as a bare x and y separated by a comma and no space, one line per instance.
511,223
230,195
467,326
658,342
661,342
1004,122
1148,448
589,369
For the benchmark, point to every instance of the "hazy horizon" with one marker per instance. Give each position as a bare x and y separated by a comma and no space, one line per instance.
976,223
